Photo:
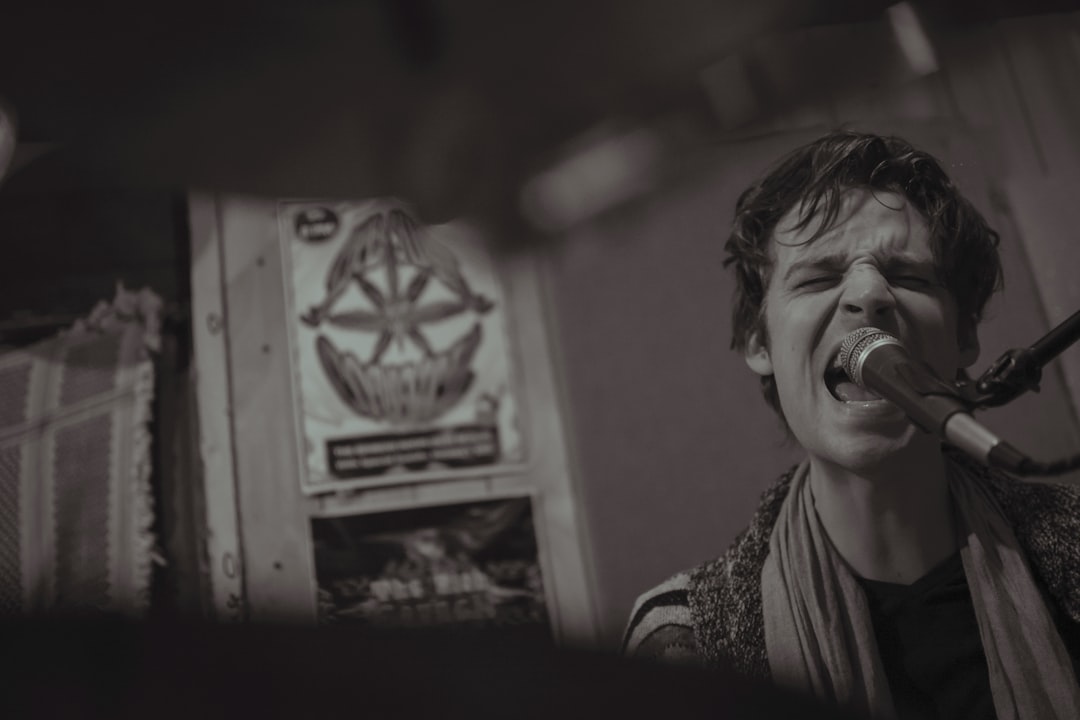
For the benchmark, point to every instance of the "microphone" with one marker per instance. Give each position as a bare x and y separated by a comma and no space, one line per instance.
878,362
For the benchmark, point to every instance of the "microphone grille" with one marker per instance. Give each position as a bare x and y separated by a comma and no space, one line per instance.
856,345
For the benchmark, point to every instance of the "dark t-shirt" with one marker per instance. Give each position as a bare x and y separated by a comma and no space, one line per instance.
928,640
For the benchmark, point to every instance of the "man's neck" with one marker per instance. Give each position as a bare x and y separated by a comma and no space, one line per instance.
893,523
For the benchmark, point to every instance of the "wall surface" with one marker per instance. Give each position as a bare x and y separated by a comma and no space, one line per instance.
68,249
672,441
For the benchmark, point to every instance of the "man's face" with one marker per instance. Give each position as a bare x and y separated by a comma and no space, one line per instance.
875,267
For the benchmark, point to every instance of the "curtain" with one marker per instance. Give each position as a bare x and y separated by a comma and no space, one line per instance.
75,460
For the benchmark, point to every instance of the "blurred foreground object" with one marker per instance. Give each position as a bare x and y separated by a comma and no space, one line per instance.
116,670
460,107
912,38
597,174
8,132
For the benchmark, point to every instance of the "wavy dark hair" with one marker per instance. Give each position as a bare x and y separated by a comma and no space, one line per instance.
815,177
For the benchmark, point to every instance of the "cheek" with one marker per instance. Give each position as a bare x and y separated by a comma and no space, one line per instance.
796,327
934,323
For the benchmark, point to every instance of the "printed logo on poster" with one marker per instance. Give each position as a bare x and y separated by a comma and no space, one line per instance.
402,364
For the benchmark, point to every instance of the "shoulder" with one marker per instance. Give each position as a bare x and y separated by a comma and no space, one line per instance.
1045,518
726,593
711,615
661,626
1044,515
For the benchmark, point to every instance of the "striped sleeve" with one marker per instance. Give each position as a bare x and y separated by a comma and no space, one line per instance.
660,626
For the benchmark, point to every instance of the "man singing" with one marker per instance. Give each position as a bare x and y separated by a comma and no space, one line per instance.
885,573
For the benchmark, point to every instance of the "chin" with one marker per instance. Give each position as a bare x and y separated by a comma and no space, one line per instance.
867,452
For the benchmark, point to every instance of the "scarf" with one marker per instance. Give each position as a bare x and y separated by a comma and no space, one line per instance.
820,639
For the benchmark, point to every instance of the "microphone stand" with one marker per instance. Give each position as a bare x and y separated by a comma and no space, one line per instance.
1020,369
1017,371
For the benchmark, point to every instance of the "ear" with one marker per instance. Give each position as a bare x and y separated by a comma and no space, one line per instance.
757,355
968,338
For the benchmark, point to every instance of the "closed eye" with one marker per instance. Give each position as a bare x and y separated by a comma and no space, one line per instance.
817,282
912,282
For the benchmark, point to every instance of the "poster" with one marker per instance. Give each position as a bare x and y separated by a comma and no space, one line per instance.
401,359
467,564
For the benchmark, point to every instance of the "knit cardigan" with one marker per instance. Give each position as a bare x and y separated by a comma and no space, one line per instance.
712,615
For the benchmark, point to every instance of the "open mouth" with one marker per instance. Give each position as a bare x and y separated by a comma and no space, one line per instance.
842,388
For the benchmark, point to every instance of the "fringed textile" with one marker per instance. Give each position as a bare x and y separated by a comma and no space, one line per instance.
75,459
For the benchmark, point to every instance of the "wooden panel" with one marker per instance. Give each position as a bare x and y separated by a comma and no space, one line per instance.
215,420
1046,216
278,573
566,557
986,102
1043,61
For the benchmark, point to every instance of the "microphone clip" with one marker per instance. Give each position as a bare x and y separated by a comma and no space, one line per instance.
1020,369
1016,372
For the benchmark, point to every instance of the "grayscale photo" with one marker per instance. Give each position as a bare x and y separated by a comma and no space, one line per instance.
420,359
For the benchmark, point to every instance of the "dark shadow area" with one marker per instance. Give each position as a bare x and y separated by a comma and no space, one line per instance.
109,668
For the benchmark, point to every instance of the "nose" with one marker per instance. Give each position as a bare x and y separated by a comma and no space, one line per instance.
867,295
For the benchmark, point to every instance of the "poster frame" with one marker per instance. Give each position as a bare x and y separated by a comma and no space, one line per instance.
543,555
505,467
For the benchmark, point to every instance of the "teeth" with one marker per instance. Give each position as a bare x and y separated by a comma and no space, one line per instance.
836,369
850,392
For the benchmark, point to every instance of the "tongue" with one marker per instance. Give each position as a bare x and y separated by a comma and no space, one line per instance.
850,392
